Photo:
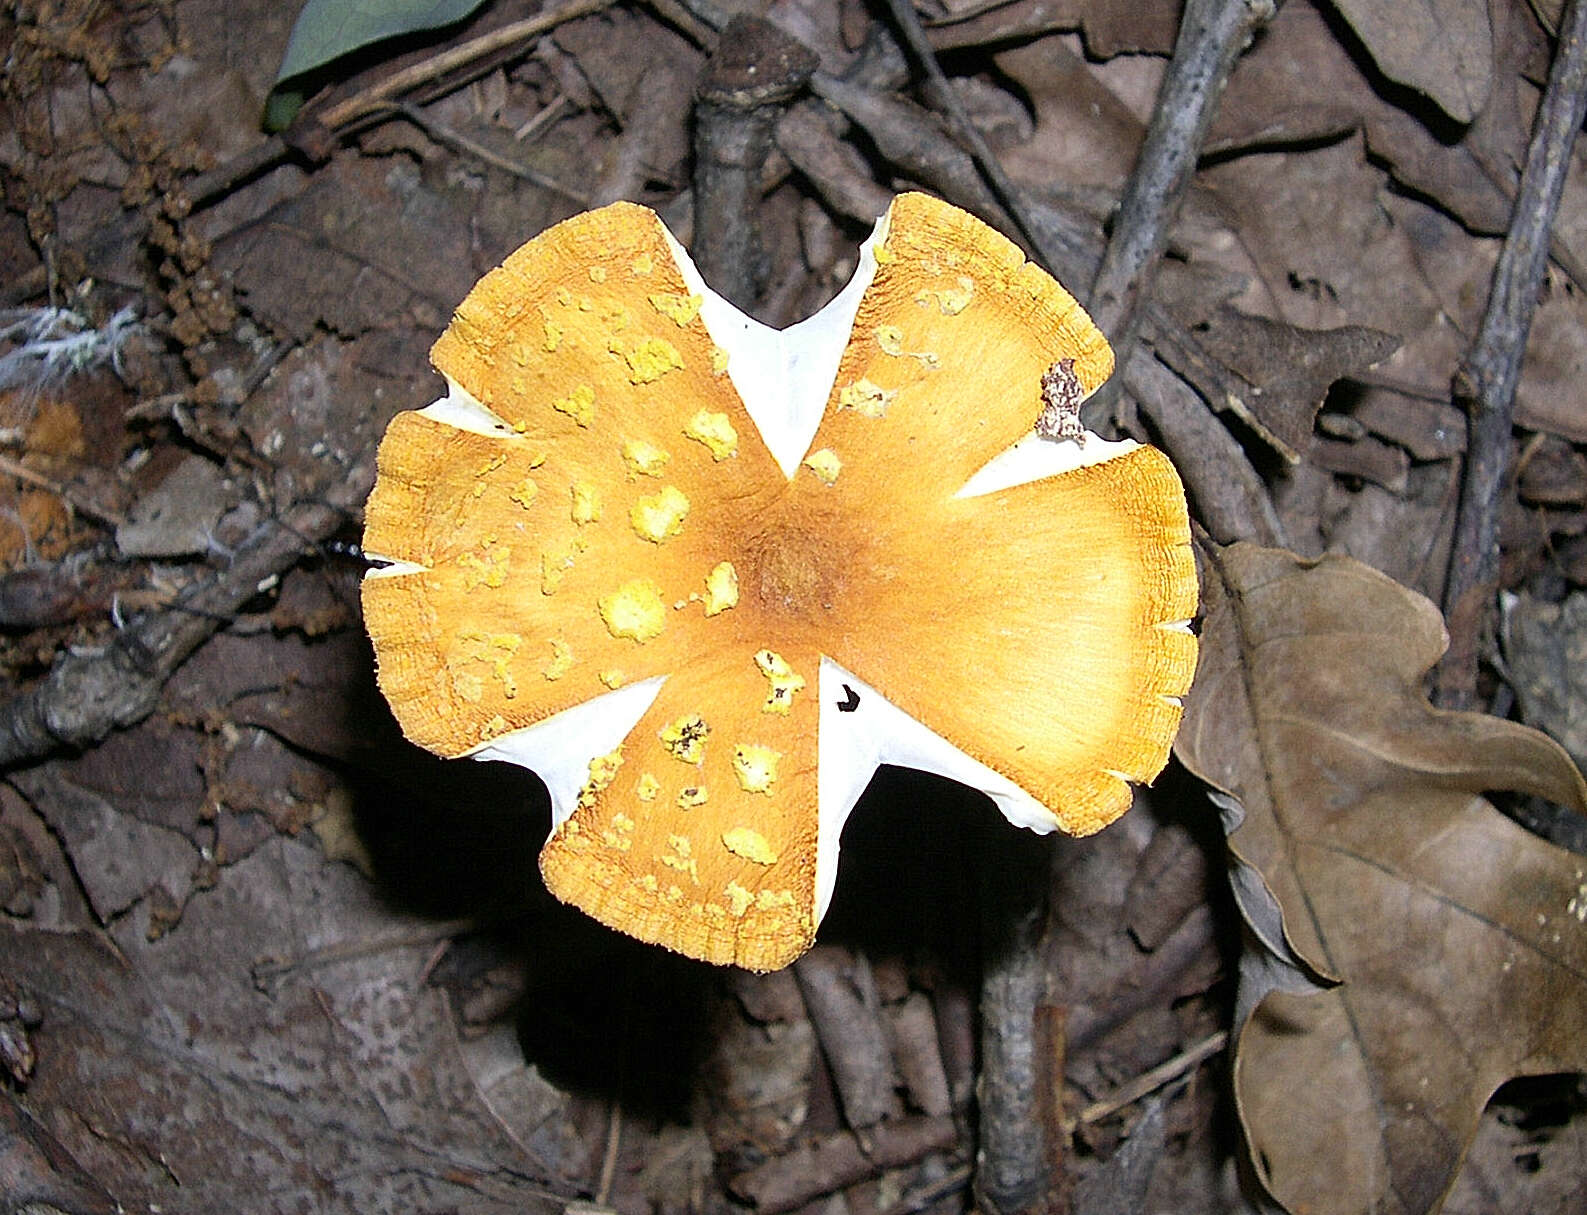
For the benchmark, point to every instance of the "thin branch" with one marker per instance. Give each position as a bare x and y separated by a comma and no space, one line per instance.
1150,1081
943,96
1486,379
459,142
378,95
86,695
1212,33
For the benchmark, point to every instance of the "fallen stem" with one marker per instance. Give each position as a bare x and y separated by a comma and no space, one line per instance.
459,142
943,96
1212,33
1150,1081
378,95
1485,382
87,694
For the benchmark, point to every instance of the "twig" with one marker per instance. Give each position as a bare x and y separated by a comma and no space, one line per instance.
614,1140
1212,33
789,1181
945,98
543,118
379,94
1486,379
932,1192
1016,1158
86,695
269,974
1150,1081
442,133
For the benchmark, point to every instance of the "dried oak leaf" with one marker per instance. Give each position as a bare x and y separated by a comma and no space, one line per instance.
1115,28
1442,48
1454,940
1286,371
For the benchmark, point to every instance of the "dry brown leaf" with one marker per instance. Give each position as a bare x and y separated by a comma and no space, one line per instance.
1285,371
280,1046
1443,48
1456,938
1113,27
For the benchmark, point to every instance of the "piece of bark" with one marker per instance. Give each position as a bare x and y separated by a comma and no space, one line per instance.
1170,881
1366,458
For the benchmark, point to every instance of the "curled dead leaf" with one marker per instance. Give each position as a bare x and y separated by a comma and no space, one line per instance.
1458,941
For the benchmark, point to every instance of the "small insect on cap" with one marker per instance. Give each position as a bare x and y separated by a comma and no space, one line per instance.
704,576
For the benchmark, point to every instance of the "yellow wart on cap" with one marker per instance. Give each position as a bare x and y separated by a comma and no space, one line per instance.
524,492
866,398
646,787
825,464
659,516
755,766
680,859
634,610
586,506
603,771
578,405
714,430
648,359
739,900
692,797
784,681
561,659
680,309
721,588
950,300
684,738
749,844
620,834
644,459
556,562
488,568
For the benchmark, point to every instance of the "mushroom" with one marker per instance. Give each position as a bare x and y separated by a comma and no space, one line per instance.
704,576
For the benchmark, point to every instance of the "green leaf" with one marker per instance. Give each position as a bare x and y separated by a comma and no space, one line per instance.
328,29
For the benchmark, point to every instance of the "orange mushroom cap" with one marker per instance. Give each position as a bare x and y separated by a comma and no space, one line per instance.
704,576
